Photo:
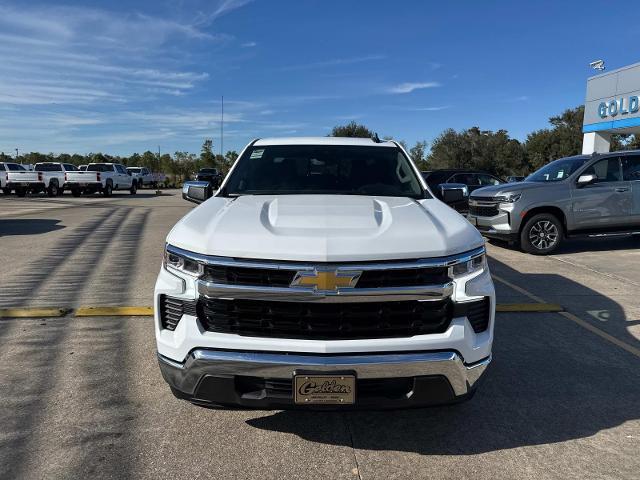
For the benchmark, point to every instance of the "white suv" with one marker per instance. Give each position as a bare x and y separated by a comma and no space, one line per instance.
323,272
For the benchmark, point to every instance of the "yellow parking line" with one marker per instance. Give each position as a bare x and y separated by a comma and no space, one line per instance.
32,312
113,311
529,307
577,320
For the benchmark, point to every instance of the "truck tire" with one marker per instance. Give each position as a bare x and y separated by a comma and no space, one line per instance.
134,188
76,192
542,234
107,190
21,191
53,190
6,191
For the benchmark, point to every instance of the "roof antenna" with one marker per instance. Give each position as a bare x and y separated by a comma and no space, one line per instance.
376,138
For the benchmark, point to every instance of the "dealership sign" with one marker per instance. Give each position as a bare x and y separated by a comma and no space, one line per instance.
621,106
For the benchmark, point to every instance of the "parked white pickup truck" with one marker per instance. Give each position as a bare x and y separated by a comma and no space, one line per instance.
46,176
5,168
323,272
145,177
101,177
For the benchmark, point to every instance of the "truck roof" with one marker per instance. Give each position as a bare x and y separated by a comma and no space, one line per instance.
368,142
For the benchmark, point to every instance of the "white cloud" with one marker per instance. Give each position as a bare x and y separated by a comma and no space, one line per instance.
430,109
79,55
334,62
249,44
409,87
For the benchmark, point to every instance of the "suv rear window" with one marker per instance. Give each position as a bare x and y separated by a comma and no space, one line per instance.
48,167
100,167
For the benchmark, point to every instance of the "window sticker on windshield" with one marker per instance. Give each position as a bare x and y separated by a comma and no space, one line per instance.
257,153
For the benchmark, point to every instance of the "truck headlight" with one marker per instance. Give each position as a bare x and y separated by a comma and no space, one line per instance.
508,198
462,269
181,263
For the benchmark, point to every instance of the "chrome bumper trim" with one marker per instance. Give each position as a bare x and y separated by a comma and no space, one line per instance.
337,266
185,376
293,294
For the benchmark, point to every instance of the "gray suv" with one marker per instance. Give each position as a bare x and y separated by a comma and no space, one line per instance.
591,195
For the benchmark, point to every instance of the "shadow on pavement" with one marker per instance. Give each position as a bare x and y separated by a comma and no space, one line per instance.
551,381
34,226
583,244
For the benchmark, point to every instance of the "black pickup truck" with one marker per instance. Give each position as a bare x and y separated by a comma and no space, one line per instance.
210,175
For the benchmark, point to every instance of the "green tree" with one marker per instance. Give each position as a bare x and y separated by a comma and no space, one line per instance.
562,140
493,152
351,129
418,154
207,158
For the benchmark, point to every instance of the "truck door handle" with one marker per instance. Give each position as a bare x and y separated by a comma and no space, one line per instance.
622,189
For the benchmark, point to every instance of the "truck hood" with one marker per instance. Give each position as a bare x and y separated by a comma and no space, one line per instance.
514,187
324,228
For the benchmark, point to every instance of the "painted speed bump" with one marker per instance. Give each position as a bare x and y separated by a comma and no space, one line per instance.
114,312
32,312
529,307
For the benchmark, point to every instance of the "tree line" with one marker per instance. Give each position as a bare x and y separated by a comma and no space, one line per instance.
492,151
495,151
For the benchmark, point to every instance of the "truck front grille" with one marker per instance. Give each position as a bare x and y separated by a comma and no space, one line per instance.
172,309
264,277
324,321
483,210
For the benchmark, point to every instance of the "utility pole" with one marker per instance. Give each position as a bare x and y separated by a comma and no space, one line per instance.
17,154
222,127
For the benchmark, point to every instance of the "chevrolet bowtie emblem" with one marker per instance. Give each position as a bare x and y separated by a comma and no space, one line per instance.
326,280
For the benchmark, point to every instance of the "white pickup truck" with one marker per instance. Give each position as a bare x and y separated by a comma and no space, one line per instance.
103,178
145,177
5,168
323,273
45,176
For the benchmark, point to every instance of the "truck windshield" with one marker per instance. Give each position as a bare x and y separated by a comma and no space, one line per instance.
48,167
324,169
100,167
558,170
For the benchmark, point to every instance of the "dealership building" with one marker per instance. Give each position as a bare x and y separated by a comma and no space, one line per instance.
612,106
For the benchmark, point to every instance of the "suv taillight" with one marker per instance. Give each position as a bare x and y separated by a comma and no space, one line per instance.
65,176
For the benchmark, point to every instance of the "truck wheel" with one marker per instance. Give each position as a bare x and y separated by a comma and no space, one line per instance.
542,234
107,190
134,188
6,191
76,192
21,191
53,190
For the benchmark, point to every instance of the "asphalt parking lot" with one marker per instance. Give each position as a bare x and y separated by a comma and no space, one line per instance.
83,397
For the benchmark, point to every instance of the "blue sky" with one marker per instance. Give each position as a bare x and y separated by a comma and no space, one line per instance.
126,76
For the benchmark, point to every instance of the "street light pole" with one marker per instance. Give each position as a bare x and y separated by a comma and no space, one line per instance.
222,126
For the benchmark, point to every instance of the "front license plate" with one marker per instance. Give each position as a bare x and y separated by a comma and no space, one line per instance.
324,389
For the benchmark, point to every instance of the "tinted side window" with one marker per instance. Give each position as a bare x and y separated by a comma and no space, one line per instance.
484,179
607,170
631,168
466,178
120,169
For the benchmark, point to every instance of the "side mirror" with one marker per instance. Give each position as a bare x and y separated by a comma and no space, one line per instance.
585,180
196,192
452,193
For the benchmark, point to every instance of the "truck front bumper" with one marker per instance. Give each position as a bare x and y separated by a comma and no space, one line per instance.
264,380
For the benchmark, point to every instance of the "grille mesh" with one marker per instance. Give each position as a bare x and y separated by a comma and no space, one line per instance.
484,210
172,309
324,321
